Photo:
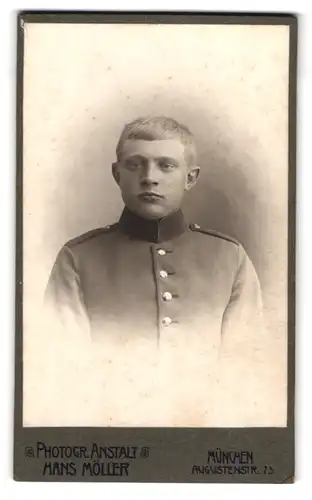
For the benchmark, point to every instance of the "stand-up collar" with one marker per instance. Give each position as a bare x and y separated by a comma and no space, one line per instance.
153,230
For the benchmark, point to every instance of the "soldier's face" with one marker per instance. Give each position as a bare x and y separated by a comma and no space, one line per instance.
153,176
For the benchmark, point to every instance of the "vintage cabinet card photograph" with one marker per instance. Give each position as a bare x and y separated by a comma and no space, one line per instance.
155,298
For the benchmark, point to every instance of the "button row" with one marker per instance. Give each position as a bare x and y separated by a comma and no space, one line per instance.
167,296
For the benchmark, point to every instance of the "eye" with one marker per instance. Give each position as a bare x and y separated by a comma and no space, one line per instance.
133,164
166,165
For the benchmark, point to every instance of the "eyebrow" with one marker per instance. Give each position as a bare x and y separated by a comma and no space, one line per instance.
159,158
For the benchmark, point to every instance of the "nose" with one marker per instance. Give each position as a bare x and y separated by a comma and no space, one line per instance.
149,174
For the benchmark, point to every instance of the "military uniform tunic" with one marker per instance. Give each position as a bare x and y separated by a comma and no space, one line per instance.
173,316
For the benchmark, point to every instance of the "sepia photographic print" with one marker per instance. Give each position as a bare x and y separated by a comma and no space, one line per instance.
155,247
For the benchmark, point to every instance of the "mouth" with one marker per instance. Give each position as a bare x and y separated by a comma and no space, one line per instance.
150,196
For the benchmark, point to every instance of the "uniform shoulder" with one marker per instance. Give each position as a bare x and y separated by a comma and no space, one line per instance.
89,235
213,233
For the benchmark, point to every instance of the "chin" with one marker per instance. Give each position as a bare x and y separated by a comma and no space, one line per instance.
151,212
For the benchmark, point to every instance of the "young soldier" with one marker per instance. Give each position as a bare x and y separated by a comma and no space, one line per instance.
173,311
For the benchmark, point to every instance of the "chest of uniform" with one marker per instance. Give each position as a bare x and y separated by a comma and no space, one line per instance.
145,285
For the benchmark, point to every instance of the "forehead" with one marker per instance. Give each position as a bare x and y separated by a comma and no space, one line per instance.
172,148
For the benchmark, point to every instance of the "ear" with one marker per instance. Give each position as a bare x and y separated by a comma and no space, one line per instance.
115,172
192,177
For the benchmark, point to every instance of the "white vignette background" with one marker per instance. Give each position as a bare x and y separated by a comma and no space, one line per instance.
228,83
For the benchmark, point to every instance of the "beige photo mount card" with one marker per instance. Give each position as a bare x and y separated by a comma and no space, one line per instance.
155,247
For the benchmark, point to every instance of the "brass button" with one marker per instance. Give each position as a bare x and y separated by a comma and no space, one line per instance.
166,321
161,251
163,274
167,296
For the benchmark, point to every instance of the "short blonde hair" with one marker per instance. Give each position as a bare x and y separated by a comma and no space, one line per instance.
153,128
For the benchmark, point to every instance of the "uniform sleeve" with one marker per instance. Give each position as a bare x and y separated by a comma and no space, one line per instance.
61,359
246,366
244,311
64,298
